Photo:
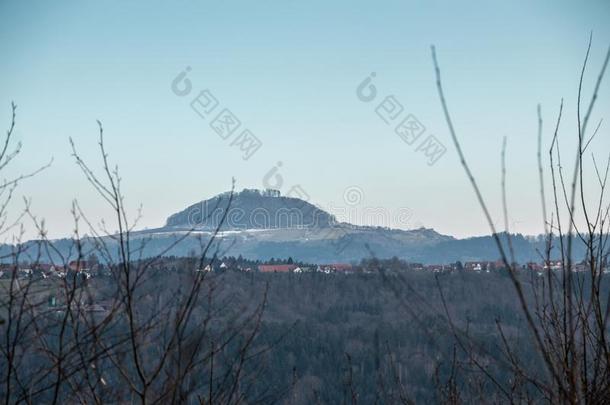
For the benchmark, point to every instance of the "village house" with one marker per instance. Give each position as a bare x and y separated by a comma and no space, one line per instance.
343,268
416,266
323,269
44,270
485,266
473,266
303,269
206,269
277,268
438,268
80,265
553,265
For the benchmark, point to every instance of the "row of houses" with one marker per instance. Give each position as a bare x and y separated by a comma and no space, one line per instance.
88,269
293,268
558,265
482,266
345,268
551,265
283,268
83,268
489,266
286,268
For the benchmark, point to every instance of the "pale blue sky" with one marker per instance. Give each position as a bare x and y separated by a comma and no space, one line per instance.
289,71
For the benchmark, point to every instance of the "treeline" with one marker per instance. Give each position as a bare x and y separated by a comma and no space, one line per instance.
390,336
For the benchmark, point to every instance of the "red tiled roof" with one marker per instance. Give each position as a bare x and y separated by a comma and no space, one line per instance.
279,268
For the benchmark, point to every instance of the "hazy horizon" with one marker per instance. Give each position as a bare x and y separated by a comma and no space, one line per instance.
290,74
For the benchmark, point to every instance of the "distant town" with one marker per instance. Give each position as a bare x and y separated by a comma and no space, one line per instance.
87,269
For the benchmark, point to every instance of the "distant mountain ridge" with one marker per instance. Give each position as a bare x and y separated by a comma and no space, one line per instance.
261,224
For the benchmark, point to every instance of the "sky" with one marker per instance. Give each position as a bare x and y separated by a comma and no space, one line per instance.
289,71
